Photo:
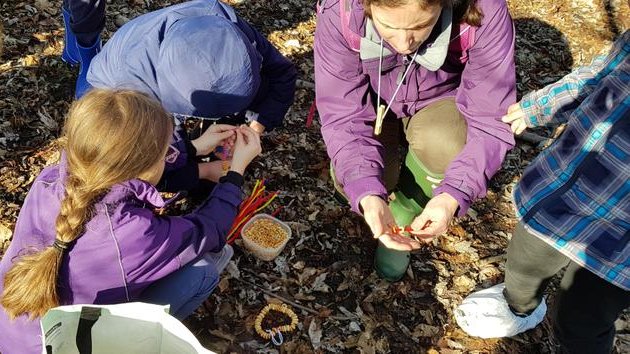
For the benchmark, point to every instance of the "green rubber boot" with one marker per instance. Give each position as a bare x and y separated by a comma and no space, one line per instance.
408,203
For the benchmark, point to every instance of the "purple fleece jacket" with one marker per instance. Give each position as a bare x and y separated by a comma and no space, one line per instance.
483,88
124,249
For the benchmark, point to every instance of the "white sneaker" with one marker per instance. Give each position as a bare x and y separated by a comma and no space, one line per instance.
221,258
486,314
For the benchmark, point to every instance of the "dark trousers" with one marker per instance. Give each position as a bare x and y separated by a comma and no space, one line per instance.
87,19
586,305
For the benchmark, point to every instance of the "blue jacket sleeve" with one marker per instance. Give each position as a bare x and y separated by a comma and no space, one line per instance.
278,76
555,102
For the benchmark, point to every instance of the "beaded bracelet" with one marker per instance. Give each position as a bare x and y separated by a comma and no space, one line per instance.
271,333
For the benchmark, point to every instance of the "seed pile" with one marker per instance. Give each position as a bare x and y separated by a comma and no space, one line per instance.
266,233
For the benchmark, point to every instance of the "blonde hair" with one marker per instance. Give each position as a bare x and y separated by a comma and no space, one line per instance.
109,137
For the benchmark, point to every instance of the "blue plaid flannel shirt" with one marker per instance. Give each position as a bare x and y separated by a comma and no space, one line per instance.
576,194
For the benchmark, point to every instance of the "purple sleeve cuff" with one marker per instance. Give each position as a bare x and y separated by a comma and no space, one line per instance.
363,187
228,192
462,199
233,177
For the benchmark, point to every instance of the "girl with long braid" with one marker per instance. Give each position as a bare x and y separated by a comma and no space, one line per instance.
87,232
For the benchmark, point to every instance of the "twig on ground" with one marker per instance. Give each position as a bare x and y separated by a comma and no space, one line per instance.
542,142
493,259
293,303
304,84
535,139
270,277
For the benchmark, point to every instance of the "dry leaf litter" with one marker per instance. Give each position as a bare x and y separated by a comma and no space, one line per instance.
325,272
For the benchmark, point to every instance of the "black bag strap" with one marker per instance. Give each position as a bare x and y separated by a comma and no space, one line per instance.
89,316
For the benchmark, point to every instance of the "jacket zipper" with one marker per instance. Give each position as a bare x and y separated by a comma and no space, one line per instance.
401,74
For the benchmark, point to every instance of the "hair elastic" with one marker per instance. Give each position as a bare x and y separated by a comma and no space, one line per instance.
62,245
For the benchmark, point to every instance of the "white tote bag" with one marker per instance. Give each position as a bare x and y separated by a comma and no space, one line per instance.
133,327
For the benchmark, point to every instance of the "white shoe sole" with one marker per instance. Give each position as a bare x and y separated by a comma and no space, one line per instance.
221,258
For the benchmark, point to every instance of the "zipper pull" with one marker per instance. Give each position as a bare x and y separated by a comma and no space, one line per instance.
401,75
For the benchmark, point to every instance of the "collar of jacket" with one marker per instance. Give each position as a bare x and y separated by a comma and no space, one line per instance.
430,55
140,190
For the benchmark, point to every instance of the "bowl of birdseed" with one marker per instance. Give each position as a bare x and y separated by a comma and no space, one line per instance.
265,236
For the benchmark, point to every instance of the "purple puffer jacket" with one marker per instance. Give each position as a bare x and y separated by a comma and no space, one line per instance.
125,248
483,87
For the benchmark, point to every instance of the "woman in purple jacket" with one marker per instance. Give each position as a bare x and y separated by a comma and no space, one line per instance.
87,232
438,72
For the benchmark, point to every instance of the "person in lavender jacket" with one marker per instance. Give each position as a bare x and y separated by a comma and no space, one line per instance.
87,232
199,59
444,75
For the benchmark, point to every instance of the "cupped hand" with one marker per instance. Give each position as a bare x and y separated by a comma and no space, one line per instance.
211,171
399,242
380,220
435,218
246,148
516,118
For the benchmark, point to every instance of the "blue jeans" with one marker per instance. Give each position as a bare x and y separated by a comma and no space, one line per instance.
186,289
87,19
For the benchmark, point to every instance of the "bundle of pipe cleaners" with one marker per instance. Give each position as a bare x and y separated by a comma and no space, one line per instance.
258,200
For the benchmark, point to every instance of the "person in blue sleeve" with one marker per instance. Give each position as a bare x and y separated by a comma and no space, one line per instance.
573,206
199,59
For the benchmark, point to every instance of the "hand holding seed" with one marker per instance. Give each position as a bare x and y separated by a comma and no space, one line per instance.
435,217
379,218
399,242
213,137
376,214
246,148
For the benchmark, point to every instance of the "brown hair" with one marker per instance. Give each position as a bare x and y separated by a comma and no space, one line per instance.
109,137
463,10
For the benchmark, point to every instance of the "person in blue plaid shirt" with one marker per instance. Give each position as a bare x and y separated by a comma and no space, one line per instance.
573,204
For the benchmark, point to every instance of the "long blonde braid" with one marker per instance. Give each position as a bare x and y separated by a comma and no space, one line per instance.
110,137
